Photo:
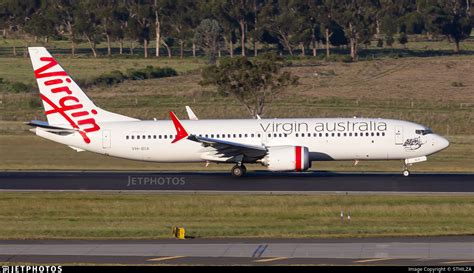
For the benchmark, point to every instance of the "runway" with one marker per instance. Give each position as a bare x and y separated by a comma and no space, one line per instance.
457,250
254,182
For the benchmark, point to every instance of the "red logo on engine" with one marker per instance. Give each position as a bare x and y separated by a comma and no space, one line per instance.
68,103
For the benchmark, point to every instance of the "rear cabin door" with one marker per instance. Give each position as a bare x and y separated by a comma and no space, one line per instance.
106,139
399,135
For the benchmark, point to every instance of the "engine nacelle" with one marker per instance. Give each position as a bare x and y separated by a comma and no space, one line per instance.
287,158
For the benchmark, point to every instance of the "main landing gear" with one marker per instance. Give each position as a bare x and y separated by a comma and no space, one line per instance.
239,170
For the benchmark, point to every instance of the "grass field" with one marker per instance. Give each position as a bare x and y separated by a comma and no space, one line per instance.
436,91
95,215
415,84
417,89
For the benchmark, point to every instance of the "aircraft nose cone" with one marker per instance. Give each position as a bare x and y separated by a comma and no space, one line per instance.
442,143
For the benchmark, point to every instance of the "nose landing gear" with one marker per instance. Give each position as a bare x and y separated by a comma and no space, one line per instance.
239,170
405,172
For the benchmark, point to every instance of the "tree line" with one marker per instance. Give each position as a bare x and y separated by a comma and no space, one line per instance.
231,27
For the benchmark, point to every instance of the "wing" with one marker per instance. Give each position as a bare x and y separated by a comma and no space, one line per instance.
220,150
227,151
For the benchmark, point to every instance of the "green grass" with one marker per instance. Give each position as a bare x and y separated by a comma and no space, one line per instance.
94,215
20,70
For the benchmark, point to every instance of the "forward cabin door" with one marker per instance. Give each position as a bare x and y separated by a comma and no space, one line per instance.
106,139
399,135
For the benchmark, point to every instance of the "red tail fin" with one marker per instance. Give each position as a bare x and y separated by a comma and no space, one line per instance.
180,131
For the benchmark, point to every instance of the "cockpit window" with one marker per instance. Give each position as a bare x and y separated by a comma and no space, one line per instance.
423,132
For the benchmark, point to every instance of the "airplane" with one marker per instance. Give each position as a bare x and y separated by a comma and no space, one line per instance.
289,144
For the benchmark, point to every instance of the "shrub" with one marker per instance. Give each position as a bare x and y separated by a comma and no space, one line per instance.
15,87
116,76
136,75
163,72
111,78
457,84
150,72
340,58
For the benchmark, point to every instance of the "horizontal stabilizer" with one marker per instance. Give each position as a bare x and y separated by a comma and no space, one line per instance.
53,129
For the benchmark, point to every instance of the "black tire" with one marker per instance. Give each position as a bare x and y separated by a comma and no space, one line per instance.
238,171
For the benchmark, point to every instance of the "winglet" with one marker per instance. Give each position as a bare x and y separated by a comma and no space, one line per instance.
180,131
191,114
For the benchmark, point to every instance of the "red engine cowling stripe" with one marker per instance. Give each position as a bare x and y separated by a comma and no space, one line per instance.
298,158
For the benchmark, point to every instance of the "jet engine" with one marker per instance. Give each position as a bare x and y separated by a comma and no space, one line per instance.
287,158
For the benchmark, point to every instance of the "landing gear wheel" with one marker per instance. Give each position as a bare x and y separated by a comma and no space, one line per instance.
406,173
238,170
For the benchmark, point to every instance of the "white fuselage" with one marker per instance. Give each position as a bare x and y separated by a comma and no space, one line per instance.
325,138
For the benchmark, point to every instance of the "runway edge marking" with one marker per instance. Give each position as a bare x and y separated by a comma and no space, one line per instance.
373,260
271,259
458,262
159,259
